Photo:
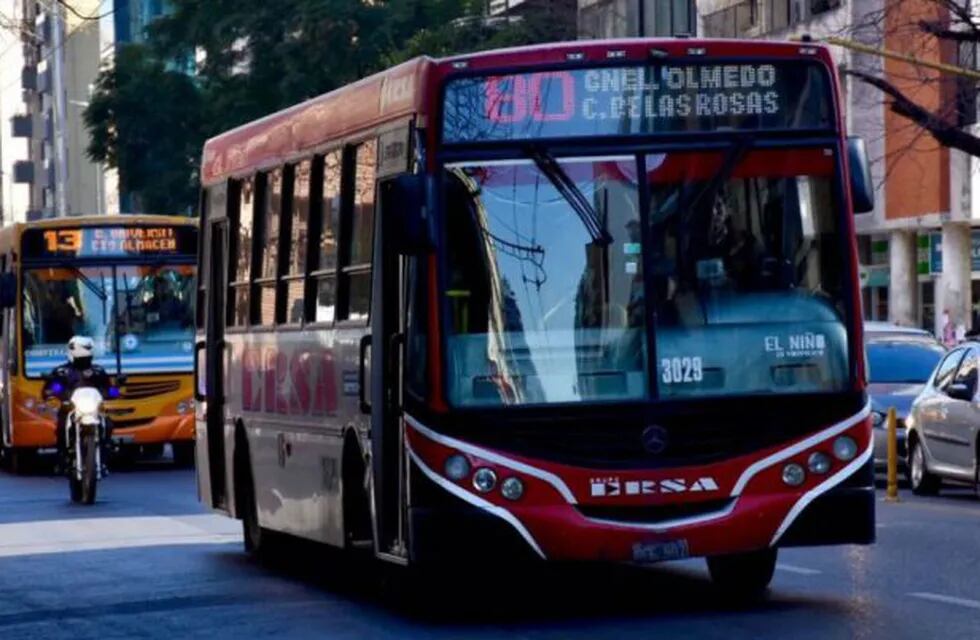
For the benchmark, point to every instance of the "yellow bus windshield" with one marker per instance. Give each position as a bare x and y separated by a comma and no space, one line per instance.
140,317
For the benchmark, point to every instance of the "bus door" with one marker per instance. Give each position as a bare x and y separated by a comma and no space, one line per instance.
214,393
387,347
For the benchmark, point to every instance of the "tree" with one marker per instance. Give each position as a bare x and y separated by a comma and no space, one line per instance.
255,57
144,120
929,30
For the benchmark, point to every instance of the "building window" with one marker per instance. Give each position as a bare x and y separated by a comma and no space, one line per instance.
779,15
966,88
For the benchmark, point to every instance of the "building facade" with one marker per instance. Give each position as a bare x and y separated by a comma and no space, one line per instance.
920,248
636,18
50,60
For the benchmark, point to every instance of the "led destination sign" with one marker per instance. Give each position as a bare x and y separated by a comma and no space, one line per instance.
637,100
119,242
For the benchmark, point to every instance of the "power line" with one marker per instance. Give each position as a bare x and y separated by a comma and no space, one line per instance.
80,15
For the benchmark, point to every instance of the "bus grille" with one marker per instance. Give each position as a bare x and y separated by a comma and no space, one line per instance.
653,514
127,424
696,433
140,390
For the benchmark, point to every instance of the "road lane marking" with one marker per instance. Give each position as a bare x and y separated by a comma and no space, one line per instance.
938,597
792,568
95,534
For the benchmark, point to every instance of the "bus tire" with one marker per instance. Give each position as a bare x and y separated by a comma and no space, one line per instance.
358,532
183,454
258,541
744,576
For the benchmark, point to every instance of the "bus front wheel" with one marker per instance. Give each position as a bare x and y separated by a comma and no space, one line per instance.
743,575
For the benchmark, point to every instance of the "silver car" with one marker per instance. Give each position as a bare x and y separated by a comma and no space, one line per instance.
944,424
900,361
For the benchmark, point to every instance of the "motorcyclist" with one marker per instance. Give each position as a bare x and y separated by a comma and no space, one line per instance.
79,371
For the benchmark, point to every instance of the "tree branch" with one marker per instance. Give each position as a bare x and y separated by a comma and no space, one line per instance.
942,131
940,31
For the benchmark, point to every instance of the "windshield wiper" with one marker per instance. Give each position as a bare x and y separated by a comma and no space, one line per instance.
552,170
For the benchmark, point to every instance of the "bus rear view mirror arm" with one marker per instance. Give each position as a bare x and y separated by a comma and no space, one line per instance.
862,186
406,225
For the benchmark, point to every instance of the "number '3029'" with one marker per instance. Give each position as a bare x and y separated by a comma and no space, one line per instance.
681,370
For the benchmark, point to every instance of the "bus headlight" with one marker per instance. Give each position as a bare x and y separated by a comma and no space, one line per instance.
182,408
793,474
512,488
29,404
845,448
457,467
819,462
484,480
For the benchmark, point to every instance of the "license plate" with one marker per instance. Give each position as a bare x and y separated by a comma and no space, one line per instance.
124,439
646,552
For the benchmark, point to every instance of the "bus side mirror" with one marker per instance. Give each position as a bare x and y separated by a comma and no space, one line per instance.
862,188
406,226
8,290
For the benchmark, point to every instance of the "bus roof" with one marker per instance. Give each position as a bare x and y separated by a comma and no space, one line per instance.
401,91
107,220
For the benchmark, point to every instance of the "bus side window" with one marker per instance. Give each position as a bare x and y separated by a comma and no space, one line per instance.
358,238
267,248
240,253
297,223
321,292
213,200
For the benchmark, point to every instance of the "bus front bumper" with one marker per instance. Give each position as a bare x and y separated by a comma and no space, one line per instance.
38,433
568,515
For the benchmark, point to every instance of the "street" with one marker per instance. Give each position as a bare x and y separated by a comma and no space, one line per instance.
147,562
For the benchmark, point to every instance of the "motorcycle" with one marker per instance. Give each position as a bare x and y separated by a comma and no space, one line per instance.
86,434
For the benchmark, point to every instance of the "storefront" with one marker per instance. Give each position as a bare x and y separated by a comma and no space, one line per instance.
930,267
875,275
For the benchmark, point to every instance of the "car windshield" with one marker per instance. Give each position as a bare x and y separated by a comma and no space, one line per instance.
546,289
152,305
898,360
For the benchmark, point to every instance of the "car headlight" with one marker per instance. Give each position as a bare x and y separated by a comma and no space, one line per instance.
877,418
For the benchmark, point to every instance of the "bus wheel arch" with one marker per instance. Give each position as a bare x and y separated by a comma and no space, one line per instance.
246,507
358,531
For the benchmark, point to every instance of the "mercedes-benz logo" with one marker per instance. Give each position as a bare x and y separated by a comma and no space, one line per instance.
654,439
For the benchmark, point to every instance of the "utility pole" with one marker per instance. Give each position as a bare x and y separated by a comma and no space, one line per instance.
58,93
641,17
881,52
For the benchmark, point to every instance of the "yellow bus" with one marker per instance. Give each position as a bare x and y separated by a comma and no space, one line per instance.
128,282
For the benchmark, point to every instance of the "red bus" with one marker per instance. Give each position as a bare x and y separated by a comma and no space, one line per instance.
592,301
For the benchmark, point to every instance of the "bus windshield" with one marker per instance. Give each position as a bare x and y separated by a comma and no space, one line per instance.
141,313
742,260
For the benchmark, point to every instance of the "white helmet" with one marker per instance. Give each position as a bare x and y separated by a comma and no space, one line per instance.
80,347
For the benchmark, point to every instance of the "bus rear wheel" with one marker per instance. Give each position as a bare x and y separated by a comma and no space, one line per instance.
743,575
